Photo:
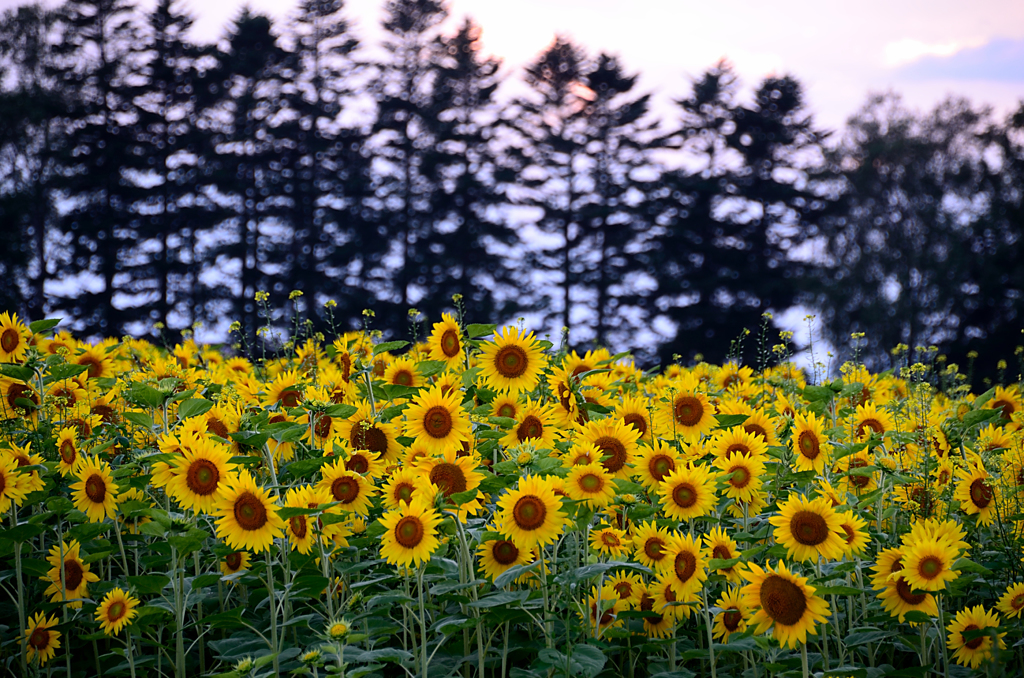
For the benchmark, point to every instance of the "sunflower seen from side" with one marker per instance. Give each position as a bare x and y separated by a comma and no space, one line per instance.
513,362
12,486
116,610
785,601
235,562
531,515
246,515
410,535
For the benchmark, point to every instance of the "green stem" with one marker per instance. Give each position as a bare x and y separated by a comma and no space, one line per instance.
275,650
423,620
21,592
711,638
803,660
129,653
179,617
942,635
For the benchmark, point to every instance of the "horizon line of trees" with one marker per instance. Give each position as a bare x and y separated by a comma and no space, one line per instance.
146,179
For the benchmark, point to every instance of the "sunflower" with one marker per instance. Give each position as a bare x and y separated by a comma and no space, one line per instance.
610,542
364,462
222,420
445,343
22,456
736,441
325,429
1005,399
976,493
513,362
437,421
898,598
411,534
451,474
972,652
650,546
14,338
590,483
505,405
687,413
616,443
759,423
928,564
535,423
733,617
97,359
200,472
810,446
116,610
603,605
854,533
77,576
744,476
785,600
402,372
857,473
530,515
302,530
246,516
284,390
350,489
1011,603
933,528
68,395
580,454
363,433
887,562
632,411
669,600
12,486
809,529
688,563
687,493
656,624
236,561
498,555
41,639
629,587
720,546
869,419
401,486
654,463
95,493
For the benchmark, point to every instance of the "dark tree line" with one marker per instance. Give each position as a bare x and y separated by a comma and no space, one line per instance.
146,179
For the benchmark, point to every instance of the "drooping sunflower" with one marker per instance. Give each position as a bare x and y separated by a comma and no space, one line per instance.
977,493
411,534
616,442
650,546
437,421
1006,399
116,610
498,555
688,563
733,617
744,476
632,411
535,423
284,390
809,443
928,564
1011,603
654,463
30,481
785,600
513,362
531,514
809,529
854,533
199,473
688,493
14,338
246,516
363,433
236,561
972,652
12,487
736,441
353,491
77,576
720,546
445,342
687,413
95,493
41,640
898,598
590,483
610,541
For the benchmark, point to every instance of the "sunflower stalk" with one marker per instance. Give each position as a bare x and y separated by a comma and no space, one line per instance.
803,660
179,614
423,619
274,647
21,592
711,638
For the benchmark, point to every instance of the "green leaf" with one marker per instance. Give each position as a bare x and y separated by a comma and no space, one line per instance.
341,411
389,346
65,371
149,584
722,563
389,413
394,391
975,417
40,326
428,368
460,498
86,532
836,591
194,407
730,420
590,658
814,393
627,487
204,580
477,330
306,467
590,571
866,636
146,395
911,672
513,573
501,598
22,532
17,372
139,419
968,565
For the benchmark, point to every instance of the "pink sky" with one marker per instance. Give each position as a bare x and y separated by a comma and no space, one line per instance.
840,51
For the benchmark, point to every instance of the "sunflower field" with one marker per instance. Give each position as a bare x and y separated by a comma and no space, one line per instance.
485,503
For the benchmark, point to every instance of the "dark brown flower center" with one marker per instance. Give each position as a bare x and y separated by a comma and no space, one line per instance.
981,493
756,430
684,495
740,477
95,489
68,452
505,552
809,446
614,451
731,619
116,611
904,591
40,639
870,423
217,428
409,531
929,567
403,492
591,483
450,343
322,425
688,410
202,477
449,478
250,513
369,438
289,398
345,489
298,526
233,560
507,410
976,642
654,548
73,574
529,512
531,427
809,528
660,466
402,378
510,362
685,566
783,600
357,463
637,421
